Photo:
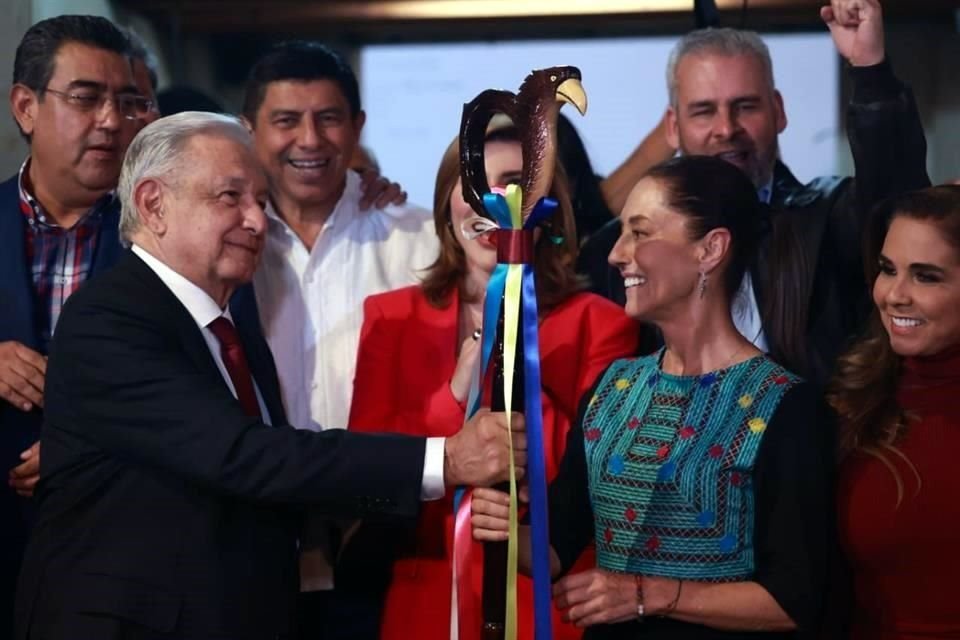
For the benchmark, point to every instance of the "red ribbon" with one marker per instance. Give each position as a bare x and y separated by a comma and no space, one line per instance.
514,246
469,616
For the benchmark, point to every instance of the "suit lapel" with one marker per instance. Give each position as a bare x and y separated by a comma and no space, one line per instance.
243,308
16,322
108,249
174,313
245,319
785,186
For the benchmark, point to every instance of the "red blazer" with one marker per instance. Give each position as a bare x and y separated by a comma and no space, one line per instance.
406,358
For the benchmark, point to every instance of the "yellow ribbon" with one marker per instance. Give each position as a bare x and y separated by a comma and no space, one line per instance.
511,322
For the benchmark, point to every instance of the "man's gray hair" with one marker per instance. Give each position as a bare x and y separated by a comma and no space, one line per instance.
156,152
725,42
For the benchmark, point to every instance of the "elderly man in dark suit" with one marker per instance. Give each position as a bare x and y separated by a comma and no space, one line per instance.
170,481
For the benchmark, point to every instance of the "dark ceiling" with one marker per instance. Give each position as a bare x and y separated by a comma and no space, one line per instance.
360,21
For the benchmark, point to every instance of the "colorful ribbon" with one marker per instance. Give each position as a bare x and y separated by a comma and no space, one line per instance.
512,282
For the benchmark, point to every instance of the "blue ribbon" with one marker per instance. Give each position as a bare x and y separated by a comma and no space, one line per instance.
536,451
497,207
536,460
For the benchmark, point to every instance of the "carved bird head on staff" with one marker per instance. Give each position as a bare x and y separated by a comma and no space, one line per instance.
533,110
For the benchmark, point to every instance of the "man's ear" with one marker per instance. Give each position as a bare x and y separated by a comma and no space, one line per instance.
780,114
673,128
358,122
714,248
148,196
246,123
24,104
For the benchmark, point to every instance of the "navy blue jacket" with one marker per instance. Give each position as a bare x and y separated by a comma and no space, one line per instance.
19,430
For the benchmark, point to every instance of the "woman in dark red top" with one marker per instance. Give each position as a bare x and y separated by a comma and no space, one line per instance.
898,395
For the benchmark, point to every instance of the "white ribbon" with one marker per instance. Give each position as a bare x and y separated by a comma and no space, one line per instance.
476,226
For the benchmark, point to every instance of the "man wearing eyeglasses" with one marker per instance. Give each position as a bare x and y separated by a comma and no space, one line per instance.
77,106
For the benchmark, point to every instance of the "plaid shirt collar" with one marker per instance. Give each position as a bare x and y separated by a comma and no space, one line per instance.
36,215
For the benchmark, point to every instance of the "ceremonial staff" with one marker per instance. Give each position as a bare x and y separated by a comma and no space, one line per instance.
510,354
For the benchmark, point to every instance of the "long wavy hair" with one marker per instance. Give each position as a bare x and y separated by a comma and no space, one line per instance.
556,279
863,389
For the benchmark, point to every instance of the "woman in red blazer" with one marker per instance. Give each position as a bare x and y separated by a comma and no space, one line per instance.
417,352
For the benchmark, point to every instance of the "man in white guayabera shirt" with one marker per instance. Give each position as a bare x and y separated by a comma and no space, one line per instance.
323,257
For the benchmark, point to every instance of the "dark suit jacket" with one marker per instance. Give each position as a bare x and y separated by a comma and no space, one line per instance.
808,270
161,506
19,430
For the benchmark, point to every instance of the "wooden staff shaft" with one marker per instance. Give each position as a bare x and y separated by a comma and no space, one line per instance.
494,598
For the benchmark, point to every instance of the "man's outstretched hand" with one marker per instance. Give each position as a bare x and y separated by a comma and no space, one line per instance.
479,454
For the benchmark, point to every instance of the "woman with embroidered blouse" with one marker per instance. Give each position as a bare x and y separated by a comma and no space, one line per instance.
701,472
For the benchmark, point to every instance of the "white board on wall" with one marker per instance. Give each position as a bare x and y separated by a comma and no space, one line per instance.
413,95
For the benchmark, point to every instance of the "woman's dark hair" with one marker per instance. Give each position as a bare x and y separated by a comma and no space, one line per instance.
713,194
590,210
863,389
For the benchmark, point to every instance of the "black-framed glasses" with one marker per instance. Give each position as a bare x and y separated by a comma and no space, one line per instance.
130,105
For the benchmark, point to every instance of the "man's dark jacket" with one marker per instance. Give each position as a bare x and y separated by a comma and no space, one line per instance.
18,429
162,508
808,274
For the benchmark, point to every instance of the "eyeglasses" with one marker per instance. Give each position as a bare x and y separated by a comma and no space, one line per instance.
130,105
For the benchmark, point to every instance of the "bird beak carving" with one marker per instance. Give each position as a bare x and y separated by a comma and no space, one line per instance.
572,91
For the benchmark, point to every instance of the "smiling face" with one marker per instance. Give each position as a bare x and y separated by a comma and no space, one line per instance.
213,214
727,108
503,161
655,255
305,137
918,288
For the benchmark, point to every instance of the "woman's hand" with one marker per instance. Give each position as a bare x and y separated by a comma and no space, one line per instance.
466,363
596,597
491,513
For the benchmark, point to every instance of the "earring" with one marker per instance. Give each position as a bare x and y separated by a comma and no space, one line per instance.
702,285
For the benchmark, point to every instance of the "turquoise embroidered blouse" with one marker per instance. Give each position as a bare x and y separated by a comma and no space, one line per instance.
670,462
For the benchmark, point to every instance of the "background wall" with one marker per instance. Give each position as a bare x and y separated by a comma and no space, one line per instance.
18,16
924,51
414,95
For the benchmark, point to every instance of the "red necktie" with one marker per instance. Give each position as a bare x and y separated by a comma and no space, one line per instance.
231,350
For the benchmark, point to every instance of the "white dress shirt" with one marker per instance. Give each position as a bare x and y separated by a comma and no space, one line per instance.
204,310
746,311
746,314
311,309
311,301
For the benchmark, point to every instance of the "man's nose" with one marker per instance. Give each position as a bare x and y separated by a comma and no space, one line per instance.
108,114
255,219
310,135
726,124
